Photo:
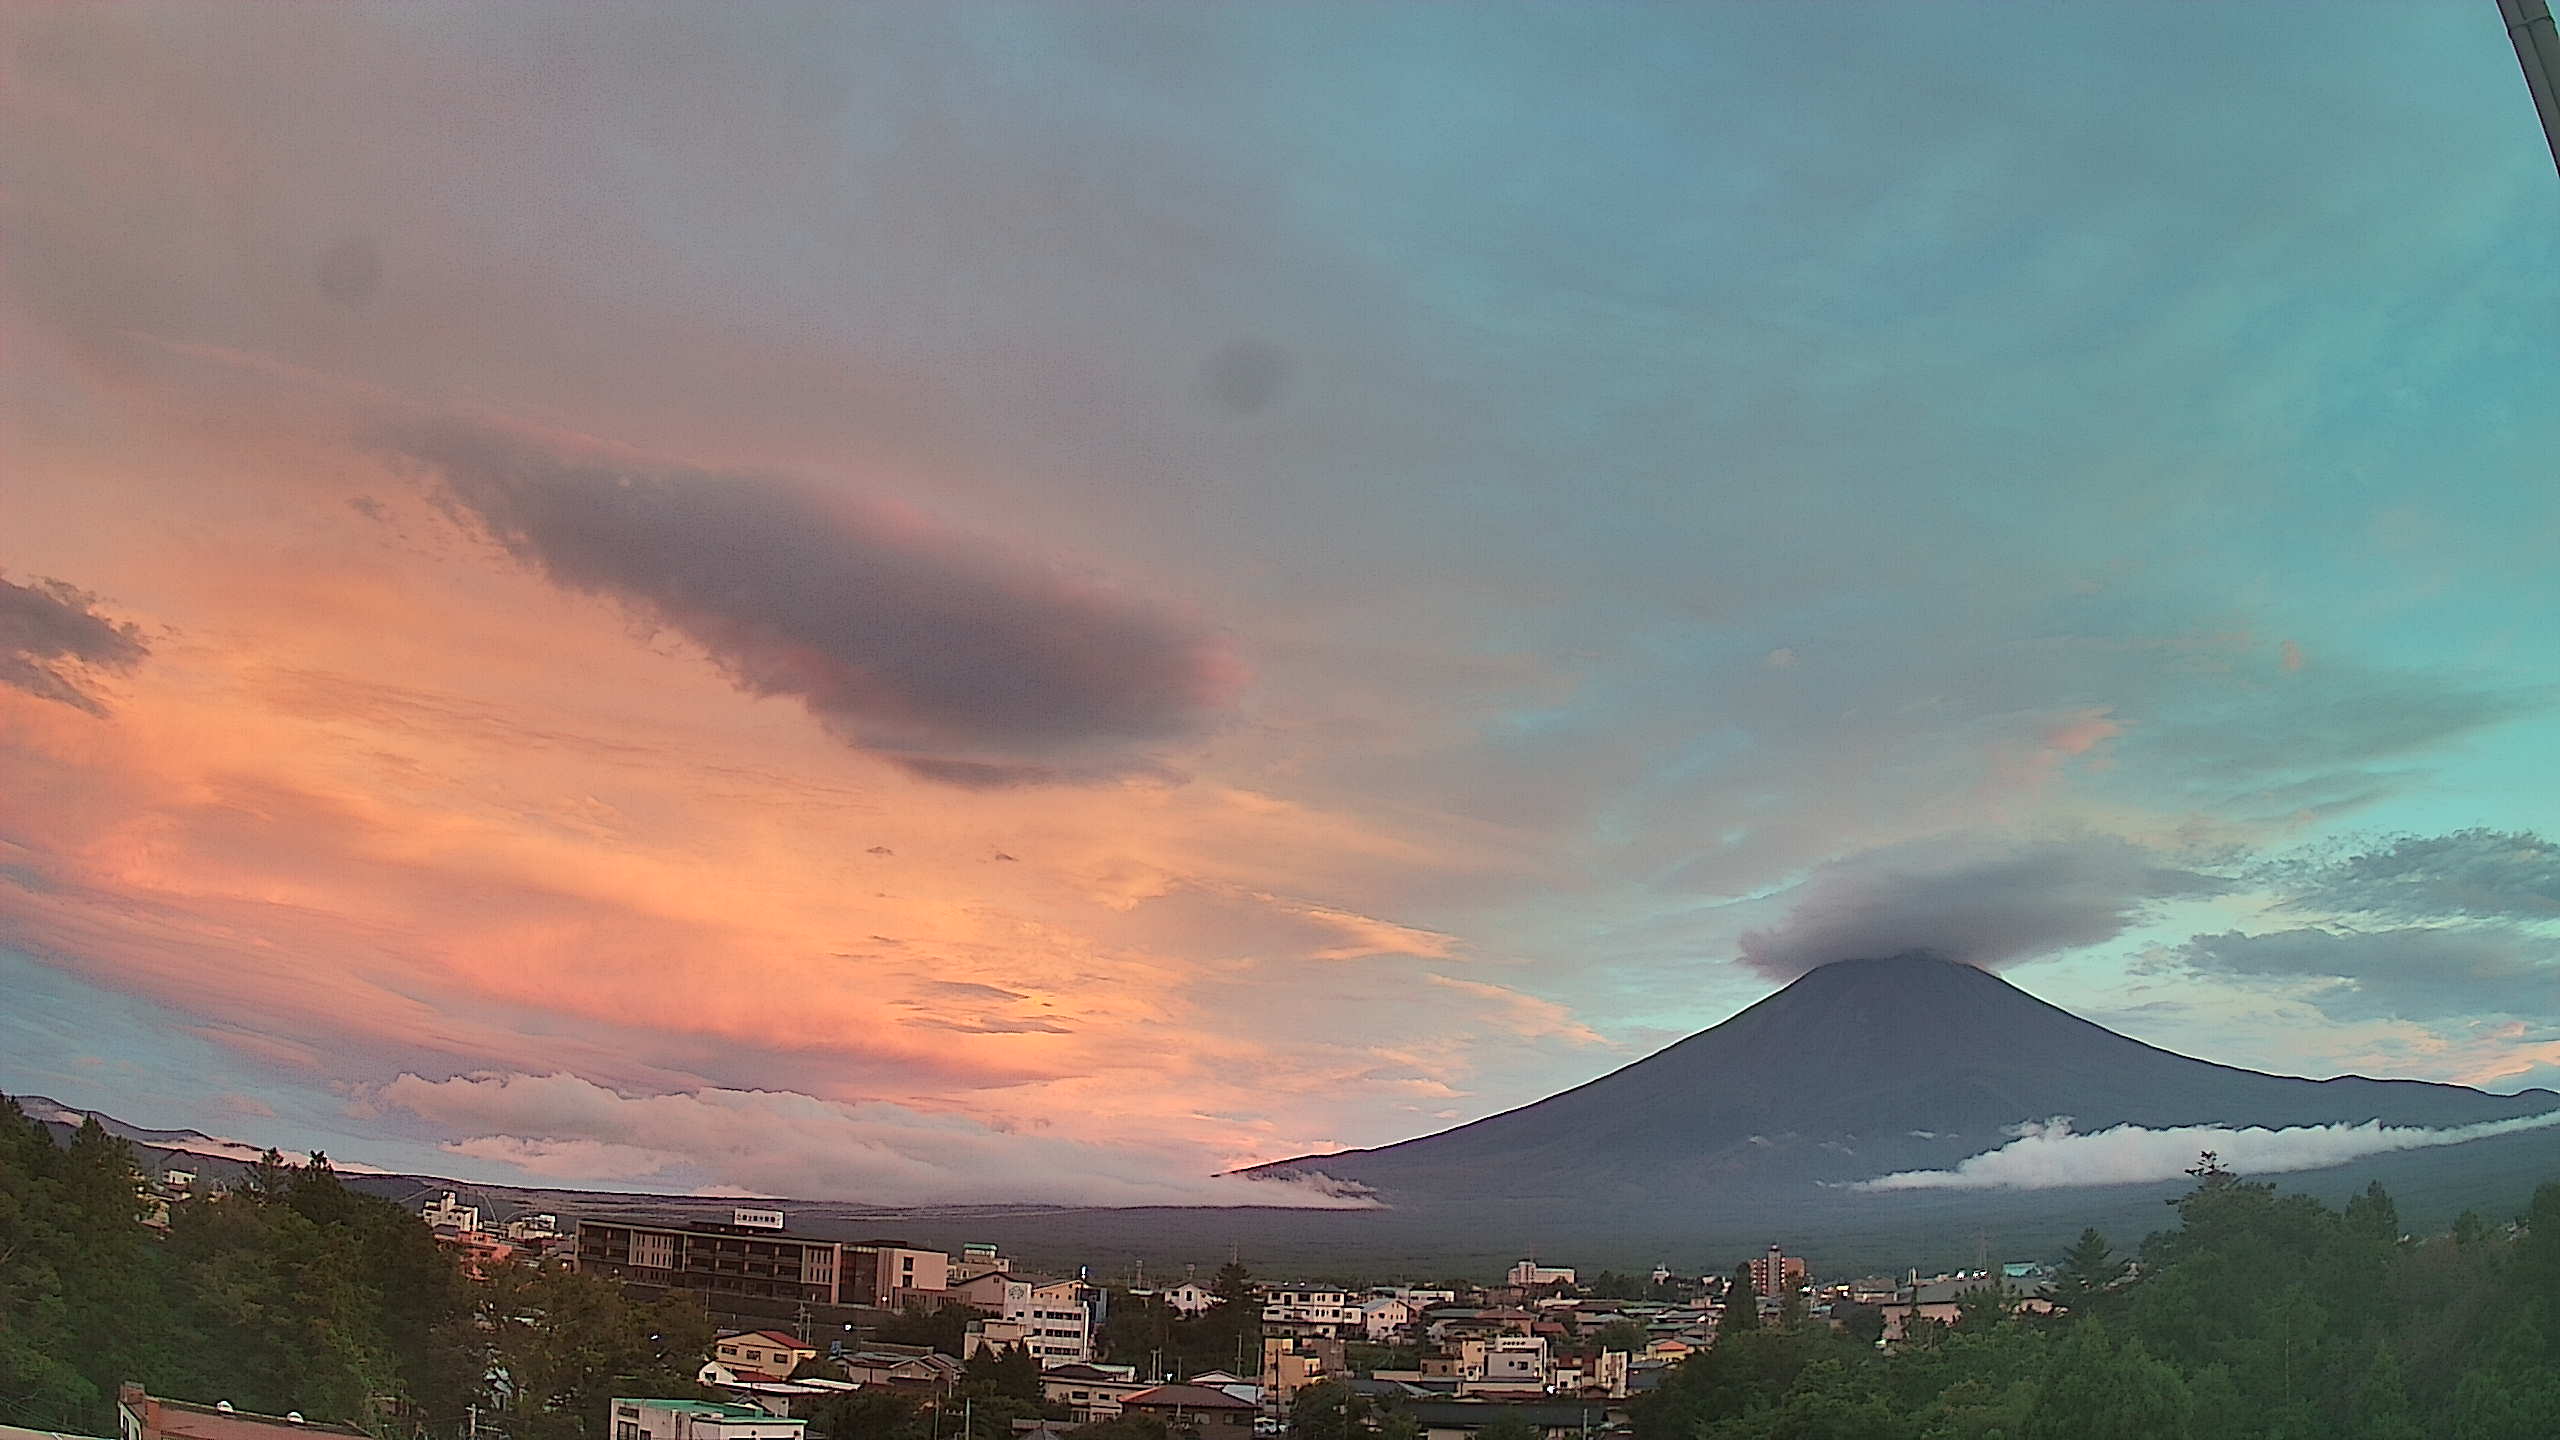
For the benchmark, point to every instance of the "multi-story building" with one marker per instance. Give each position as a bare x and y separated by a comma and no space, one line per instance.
448,1213
1530,1275
700,1420
1503,1362
1777,1273
1053,1319
1291,1363
750,1260
888,1274
1312,1310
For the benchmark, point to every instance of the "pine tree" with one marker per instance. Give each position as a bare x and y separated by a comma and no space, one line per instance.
1741,1304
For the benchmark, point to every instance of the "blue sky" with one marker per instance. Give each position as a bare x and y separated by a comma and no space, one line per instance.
1099,592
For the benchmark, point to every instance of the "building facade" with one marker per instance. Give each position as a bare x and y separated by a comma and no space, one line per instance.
716,1259
888,1274
635,1419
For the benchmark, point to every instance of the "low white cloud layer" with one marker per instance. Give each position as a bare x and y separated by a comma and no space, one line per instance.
2050,1155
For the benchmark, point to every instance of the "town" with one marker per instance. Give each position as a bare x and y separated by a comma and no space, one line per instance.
837,1339
155,1300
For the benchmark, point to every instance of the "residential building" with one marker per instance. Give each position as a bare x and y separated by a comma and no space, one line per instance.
1777,1273
1212,1413
716,1260
1385,1317
915,1368
887,1274
1311,1310
766,1353
1233,1384
1291,1363
1092,1392
1187,1298
1503,1362
1530,1275
143,1416
532,1228
1052,1318
448,1213
635,1419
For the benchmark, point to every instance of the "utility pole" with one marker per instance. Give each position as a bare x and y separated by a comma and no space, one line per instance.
2538,50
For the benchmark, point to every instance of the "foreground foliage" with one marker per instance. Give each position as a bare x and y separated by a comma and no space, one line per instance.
2258,1316
293,1292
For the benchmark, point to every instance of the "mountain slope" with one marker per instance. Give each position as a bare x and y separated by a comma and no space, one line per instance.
1857,1069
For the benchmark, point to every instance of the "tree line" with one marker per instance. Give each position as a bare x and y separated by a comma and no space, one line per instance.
2256,1316
291,1292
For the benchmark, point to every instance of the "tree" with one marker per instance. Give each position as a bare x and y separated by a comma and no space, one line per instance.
944,1328
1862,1323
1741,1304
1510,1427
1624,1335
2096,1390
870,1413
1328,1410
1007,1372
2087,1268
2373,1215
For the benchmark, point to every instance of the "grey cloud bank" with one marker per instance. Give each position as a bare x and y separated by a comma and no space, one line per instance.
960,661
54,642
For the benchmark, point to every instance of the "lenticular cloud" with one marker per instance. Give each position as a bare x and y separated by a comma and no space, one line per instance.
2051,1155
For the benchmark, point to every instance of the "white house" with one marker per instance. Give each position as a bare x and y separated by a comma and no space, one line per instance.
700,1420
1187,1298
1384,1317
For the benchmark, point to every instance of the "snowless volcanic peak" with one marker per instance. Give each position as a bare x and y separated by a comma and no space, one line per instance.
1857,1069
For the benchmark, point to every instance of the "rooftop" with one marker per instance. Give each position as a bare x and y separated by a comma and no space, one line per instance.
1187,1397
716,1409
212,1422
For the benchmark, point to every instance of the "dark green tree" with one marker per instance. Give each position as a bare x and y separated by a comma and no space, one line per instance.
2087,1268
1741,1305
1328,1410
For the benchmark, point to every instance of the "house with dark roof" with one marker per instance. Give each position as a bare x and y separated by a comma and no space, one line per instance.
1196,1409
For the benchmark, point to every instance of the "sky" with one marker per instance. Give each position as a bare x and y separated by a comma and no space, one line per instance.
926,603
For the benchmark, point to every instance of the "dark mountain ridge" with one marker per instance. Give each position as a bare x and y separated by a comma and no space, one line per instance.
1857,1069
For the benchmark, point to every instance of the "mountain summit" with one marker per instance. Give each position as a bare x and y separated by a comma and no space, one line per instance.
1859,1069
